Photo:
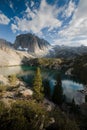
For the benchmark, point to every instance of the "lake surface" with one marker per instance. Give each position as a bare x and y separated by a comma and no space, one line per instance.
70,86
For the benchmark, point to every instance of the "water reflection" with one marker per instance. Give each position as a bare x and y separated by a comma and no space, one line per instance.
52,83
70,87
71,90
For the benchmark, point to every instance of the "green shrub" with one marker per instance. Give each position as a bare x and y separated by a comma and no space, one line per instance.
12,79
62,122
2,88
23,115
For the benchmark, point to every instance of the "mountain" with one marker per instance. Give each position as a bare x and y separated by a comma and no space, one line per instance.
9,56
28,46
31,43
80,68
5,44
67,51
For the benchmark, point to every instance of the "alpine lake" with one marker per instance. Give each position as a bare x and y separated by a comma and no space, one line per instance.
72,88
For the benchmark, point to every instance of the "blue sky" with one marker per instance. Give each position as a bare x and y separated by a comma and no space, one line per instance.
61,22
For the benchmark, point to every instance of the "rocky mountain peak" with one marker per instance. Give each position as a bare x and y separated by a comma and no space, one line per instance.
31,43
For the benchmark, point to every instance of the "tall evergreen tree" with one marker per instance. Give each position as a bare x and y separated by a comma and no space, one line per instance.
47,90
37,86
58,92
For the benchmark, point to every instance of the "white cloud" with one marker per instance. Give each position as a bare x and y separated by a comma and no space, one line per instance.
11,5
4,19
32,3
45,16
14,28
77,28
70,9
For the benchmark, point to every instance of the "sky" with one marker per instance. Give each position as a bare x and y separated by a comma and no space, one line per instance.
60,22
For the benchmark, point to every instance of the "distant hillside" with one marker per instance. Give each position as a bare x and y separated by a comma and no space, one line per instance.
31,43
9,56
67,51
5,44
30,46
51,63
80,68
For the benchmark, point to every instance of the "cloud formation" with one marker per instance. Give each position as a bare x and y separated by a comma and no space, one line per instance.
32,3
69,28
76,32
4,19
69,9
36,20
11,5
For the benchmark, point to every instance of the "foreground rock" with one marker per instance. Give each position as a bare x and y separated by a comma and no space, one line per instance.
11,93
3,80
48,104
27,93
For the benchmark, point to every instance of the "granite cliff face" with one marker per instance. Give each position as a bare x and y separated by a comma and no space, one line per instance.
31,43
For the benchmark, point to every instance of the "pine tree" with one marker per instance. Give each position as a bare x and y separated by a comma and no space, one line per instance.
12,79
37,86
74,107
58,92
47,89
85,98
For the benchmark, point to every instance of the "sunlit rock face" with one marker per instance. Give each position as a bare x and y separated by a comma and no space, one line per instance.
11,57
5,44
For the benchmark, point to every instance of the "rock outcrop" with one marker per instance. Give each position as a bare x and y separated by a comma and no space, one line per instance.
31,43
5,44
10,57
